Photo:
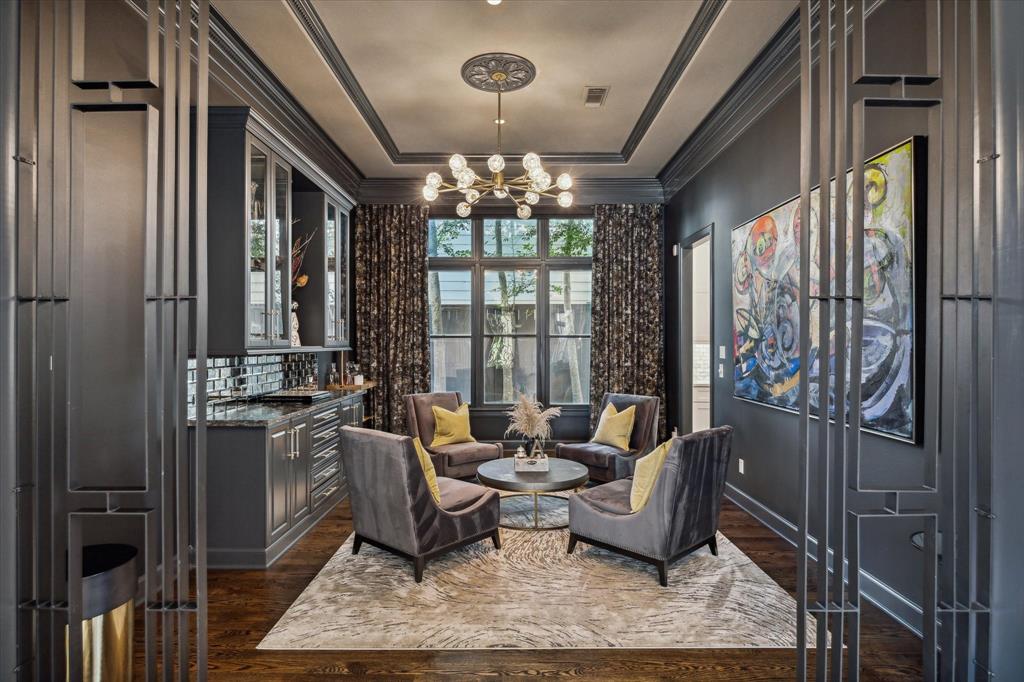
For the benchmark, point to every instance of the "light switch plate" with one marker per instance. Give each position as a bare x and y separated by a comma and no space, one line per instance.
721,352
721,371
741,465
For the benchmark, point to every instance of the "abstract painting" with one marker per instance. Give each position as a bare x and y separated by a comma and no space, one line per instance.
766,299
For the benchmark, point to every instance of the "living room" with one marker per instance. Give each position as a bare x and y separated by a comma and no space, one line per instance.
498,338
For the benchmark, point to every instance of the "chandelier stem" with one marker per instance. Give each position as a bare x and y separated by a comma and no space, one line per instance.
499,120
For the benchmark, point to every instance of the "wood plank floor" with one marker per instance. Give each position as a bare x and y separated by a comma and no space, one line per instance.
244,605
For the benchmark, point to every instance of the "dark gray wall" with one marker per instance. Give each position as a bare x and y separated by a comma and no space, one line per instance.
759,170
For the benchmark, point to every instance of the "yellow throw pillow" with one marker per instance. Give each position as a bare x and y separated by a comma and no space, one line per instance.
615,427
646,475
451,427
428,470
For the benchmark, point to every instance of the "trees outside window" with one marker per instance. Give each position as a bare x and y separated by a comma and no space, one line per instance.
510,308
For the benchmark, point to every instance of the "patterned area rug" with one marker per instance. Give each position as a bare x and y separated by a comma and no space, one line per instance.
532,595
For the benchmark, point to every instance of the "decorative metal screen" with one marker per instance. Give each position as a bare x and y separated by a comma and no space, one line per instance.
111,296
955,419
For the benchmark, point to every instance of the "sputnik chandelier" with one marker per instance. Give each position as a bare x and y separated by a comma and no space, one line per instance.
499,72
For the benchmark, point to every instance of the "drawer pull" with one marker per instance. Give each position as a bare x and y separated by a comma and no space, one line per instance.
327,493
324,435
326,453
324,415
326,473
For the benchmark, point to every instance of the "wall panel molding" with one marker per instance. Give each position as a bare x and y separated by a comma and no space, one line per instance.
872,588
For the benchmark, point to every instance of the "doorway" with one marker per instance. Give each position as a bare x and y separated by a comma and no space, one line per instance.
696,317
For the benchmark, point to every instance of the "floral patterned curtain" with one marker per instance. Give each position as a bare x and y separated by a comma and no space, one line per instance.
391,306
627,347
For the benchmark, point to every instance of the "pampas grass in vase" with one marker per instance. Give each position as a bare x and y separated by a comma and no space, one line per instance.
529,419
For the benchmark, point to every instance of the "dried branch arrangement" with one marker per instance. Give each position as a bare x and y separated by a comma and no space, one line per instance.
529,419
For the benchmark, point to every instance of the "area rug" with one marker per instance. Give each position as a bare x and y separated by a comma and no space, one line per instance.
532,595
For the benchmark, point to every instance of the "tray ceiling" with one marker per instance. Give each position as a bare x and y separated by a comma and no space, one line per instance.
382,77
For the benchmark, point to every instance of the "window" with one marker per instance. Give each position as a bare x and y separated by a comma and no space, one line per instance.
510,305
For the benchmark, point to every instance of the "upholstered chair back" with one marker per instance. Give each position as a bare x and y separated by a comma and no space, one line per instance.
421,416
690,487
387,489
645,424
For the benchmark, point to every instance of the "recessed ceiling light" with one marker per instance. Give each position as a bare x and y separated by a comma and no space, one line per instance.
493,2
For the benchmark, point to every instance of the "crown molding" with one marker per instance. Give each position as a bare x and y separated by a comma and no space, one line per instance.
321,38
237,69
587,191
772,73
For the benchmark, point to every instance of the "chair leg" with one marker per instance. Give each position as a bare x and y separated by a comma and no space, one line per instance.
662,573
418,563
357,542
713,545
496,538
572,543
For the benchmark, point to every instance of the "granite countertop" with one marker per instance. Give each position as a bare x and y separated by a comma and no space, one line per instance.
256,413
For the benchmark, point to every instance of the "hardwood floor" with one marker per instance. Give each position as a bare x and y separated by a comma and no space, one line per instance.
244,605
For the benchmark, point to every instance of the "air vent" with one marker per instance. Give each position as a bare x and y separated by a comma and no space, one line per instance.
594,95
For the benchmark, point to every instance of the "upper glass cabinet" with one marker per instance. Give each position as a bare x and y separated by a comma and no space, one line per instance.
277,243
268,236
280,298
257,283
336,251
331,249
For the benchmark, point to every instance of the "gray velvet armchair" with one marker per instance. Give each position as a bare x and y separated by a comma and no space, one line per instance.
680,516
609,463
459,460
392,507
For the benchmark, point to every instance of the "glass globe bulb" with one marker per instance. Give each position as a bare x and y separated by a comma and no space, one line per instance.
541,181
496,163
523,211
429,193
472,195
565,199
500,193
465,178
457,162
434,179
564,181
531,161
531,198
463,209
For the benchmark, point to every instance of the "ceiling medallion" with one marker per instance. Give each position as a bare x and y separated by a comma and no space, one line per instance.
499,72
496,71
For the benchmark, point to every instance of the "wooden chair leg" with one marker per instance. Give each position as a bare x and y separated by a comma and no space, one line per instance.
713,545
572,543
496,538
418,564
662,573
357,542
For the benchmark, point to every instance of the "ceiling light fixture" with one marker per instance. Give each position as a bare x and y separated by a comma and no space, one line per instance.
499,72
494,2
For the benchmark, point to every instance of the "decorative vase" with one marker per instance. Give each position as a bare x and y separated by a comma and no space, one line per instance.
295,339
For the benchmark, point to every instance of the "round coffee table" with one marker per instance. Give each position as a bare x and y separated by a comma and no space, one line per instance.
562,475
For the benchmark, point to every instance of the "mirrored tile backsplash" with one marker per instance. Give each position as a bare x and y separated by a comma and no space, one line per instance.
248,377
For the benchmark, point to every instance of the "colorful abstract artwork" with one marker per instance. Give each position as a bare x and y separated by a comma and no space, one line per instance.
765,295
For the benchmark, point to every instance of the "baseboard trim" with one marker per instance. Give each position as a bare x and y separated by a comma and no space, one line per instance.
897,606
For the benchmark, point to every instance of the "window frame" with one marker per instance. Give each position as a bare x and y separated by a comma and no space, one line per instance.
478,264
